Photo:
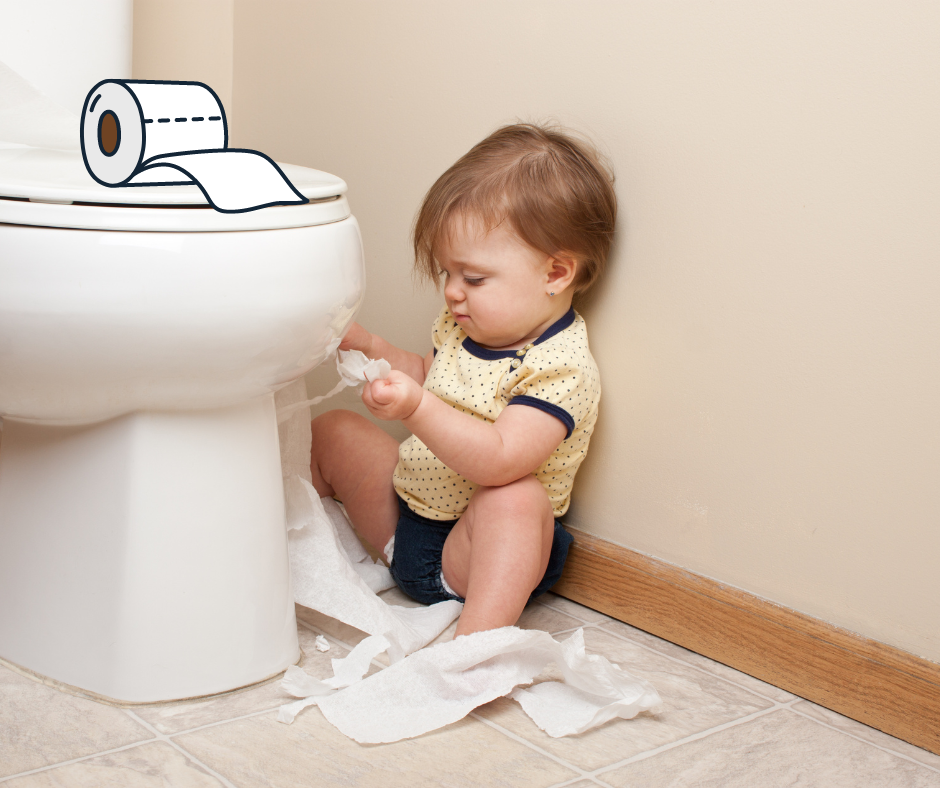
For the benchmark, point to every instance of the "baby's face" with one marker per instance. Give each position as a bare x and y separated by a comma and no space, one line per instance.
496,286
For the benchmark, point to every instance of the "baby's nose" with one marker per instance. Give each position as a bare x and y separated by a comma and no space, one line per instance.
453,291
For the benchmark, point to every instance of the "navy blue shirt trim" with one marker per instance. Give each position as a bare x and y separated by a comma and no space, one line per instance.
492,355
550,408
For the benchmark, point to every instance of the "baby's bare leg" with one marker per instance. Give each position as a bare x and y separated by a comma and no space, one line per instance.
498,551
354,460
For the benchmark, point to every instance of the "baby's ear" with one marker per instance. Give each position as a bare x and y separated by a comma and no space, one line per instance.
563,268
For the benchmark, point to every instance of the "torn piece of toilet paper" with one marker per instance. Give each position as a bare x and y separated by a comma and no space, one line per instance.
327,580
321,643
354,368
433,687
147,133
294,435
443,683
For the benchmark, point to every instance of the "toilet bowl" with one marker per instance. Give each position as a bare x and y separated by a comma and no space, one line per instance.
143,555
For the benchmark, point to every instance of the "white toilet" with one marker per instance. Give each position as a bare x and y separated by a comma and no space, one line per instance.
143,555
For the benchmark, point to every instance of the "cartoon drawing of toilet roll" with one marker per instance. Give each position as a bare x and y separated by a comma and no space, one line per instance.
150,133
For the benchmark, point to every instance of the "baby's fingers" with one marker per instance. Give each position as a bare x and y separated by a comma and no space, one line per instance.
382,391
356,338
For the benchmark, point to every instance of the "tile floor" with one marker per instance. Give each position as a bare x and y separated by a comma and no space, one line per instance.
720,728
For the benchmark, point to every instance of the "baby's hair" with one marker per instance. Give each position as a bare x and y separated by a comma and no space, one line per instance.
555,191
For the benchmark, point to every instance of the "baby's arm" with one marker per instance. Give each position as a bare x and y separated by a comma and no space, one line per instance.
489,454
413,365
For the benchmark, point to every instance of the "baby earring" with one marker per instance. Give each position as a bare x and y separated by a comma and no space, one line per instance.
552,293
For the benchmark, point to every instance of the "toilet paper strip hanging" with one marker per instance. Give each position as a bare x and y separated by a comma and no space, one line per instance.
154,133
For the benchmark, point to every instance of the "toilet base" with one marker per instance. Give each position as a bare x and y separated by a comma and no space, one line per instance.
145,558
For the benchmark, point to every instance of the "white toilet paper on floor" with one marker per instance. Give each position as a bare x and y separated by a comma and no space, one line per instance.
443,683
333,574
326,579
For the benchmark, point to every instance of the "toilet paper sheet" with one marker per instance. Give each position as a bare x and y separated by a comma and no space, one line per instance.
354,369
424,688
328,579
145,133
443,683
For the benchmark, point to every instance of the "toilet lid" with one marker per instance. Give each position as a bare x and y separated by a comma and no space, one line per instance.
52,188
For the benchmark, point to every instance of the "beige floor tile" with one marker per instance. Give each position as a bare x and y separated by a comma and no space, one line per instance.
538,616
156,765
778,750
580,612
333,628
171,718
672,650
40,726
694,701
260,752
868,734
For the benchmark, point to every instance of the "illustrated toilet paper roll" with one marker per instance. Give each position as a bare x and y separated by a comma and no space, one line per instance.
147,133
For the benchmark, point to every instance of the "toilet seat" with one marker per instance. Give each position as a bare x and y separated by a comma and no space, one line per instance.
52,188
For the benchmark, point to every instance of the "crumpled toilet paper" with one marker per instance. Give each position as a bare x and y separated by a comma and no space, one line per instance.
354,369
424,688
443,683
328,579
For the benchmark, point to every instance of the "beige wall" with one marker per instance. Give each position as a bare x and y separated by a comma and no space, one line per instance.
187,40
767,334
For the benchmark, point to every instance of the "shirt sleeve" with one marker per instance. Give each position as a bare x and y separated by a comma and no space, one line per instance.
567,391
444,326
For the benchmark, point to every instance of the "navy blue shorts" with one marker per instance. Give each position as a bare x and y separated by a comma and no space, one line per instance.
419,545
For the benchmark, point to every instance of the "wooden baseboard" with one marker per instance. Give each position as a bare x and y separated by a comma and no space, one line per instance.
871,682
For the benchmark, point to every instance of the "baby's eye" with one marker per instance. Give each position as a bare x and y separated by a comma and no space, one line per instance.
474,282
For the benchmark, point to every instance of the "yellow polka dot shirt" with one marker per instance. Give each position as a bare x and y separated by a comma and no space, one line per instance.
555,374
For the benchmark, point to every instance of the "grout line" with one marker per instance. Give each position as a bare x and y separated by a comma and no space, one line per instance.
576,780
865,741
229,719
574,629
162,737
572,615
582,774
642,756
76,760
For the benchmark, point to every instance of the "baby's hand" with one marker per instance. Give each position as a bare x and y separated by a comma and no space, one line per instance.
357,338
394,398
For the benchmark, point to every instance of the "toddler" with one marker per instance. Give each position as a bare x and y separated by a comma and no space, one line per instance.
467,508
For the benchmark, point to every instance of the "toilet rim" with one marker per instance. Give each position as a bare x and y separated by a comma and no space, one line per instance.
92,216
51,188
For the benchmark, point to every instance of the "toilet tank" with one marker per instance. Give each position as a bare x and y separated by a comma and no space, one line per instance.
63,47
